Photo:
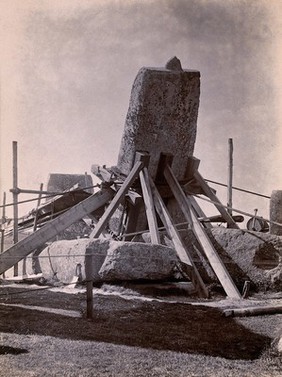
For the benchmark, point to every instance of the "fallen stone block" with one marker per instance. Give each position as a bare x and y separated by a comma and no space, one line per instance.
63,260
257,255
138,261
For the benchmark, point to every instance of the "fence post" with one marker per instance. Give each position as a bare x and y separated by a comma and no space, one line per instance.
2,225
89,284
230,176
15,199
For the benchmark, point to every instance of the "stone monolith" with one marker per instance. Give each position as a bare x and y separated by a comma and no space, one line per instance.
162,117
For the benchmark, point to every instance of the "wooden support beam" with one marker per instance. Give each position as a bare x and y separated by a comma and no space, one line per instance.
35,261
200,213
149,206
192,166
131,223
117,199
208,191
26,246
190,215
214,259
180,248
178,193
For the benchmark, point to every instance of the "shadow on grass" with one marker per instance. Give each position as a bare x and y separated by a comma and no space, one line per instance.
158,325
5,350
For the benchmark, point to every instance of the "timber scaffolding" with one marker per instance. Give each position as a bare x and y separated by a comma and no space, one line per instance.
163,101
138,187
131,191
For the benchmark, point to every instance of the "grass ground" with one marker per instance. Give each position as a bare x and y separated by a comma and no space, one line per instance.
130,338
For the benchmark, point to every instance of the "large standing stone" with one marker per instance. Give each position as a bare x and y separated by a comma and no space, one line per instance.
162,117
276,212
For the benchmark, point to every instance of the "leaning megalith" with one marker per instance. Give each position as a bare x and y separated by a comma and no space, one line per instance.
276,212
162,117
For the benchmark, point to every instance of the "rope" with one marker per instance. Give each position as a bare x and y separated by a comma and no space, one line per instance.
139,257
236,210
48,196
239,189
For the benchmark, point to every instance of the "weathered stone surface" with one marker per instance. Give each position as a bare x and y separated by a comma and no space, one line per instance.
60,260
135,261
61,182
276,212
98,249
258,255
162,118
247,255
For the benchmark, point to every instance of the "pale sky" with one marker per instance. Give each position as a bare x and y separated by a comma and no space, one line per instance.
67,68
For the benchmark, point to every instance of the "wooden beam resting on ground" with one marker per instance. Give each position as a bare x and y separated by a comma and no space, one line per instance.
252,311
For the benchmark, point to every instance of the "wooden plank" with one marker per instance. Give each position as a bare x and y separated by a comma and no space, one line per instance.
131,223
202,237
178,193
214,259
149,206
199,211
208,191
26,246
253,311
117,199
180,248
192,165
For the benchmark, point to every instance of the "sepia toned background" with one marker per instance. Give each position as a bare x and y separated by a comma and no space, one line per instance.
67,70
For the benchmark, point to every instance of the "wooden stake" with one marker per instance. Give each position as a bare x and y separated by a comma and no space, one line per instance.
230,176
89,284
15,199
2,226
